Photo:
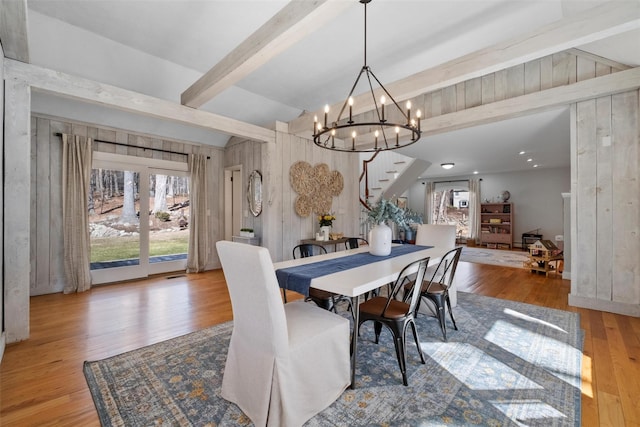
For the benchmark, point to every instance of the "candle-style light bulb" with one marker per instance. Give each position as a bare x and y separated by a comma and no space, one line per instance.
382,101
315,124
350,109
333,135
353,140
397,136
408,112
376,134
326,112
319,128
419,116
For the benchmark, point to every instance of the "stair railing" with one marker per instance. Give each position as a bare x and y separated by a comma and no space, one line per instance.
365,175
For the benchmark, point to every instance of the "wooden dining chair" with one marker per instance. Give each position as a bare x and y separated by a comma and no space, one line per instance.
397,315
273,345
323,299
436,288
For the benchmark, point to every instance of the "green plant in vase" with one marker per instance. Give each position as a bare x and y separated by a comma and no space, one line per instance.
380,235
384,211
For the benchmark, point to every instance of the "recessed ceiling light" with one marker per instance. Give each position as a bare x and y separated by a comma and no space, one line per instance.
529,160
535,166
475,172
521,153
447,165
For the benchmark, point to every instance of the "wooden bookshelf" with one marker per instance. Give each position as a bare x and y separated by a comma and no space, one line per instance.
496,225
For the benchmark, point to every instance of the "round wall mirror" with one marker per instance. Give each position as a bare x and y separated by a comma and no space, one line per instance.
254,193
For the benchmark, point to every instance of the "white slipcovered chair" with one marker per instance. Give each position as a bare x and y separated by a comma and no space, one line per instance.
442,236
286,362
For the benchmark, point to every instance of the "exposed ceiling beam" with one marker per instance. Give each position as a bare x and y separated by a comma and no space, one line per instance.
13,29
622,81
82,89
291,24
594,24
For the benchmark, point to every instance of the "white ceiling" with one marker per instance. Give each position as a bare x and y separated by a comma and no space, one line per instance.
161,47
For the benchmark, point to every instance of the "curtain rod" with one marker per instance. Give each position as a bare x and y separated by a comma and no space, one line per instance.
133,146
457,180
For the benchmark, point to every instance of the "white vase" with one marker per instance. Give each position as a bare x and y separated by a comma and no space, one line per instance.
324,231
380,240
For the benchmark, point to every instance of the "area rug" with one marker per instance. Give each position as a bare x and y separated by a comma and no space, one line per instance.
509,364
500,257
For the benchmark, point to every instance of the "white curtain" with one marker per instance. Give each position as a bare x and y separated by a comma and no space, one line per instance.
474,209
198,228
428,202
76,171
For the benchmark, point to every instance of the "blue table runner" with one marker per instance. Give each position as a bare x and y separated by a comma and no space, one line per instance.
299,278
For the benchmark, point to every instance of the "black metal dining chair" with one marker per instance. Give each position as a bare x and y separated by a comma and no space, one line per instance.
397,315
355,242
323,299
436,289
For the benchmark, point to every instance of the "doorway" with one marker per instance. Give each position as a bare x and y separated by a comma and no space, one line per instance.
138,217
233,190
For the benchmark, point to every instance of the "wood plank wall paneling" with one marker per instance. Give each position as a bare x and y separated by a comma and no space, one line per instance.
603,207
17,187
515,81
56,245
2,326
532,76
282,227
606,166
42,195
248,154
625,127
46,249
585,194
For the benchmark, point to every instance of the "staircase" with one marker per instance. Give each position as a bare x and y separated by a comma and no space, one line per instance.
385,174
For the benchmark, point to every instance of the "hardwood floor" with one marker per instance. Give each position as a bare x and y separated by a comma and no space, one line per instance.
42,384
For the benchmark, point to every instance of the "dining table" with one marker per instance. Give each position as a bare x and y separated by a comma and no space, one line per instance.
335,272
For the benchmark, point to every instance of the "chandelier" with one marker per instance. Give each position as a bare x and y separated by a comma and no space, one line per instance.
393,130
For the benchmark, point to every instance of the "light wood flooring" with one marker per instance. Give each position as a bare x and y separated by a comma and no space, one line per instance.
42,384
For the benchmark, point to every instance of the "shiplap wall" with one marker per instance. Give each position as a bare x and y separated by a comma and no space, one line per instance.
606,203
3,337
282,227
46,250
248,154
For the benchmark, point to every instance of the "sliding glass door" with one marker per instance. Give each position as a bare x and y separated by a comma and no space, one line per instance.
450,205
169,221
138,217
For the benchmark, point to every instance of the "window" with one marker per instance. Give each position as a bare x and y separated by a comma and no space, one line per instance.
450,205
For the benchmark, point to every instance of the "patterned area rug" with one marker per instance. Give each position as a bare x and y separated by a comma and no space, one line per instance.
494,256
509,364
